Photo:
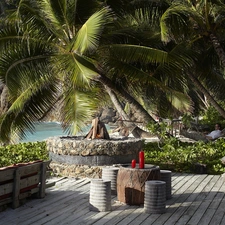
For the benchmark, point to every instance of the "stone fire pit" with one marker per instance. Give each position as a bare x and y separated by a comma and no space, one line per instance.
77,156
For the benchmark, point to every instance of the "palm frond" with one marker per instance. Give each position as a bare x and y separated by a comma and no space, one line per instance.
178,21
78,108
133,53
88,37
28,107
180,101
77,69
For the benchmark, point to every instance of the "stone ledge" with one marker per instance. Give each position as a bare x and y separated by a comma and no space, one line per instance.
78,146
79,157
96,160
78,171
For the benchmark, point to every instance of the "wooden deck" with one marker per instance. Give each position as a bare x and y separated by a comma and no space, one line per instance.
196,199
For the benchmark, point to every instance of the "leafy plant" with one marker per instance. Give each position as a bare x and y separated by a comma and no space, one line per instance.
184,157
187,119
23,152
211,116
160,130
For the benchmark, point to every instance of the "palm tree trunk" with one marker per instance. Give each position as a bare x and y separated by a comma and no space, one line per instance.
200,87
221,54
4,103
218,48
136,131
134,104
118,106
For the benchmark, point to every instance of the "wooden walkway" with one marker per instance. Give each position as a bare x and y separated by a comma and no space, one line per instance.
196,199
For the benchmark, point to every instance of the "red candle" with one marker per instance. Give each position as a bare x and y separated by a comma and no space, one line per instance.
141,160
133,163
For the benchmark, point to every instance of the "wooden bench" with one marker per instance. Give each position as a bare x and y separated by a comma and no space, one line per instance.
21,181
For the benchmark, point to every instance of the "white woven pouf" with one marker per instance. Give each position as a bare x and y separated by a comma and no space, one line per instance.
155,196
165,175
100,195
110,173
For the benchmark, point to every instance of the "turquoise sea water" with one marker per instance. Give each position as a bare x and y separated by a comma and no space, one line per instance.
45,130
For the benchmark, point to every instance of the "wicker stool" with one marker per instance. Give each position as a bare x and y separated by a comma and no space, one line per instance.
155,196
110,173
166,176
100,195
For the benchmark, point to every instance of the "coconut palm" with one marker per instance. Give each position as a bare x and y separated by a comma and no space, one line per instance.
199,24
51,52
7,5
36,75
131,65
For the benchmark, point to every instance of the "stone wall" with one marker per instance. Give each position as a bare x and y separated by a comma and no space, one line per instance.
79,157
78,171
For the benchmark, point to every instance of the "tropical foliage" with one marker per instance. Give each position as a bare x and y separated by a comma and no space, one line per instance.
172,155
22,153
200,25
47,64
160,57
177,156
51,52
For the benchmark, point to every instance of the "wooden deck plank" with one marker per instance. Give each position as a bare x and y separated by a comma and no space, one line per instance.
211,203
125,216
79,190
68,204
90,216
121,214
196,199
117,208
176,184
181,195
41,206
131,216
222,222
183,210
146,219
219,213
190,214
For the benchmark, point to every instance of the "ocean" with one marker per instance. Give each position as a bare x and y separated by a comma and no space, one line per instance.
44,130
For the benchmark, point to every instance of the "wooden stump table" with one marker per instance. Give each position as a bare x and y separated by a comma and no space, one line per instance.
131,183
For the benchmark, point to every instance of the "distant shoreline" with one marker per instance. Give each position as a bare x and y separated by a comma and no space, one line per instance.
44,130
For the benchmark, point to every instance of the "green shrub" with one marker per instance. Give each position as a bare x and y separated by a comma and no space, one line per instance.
23,152
211,116
183,157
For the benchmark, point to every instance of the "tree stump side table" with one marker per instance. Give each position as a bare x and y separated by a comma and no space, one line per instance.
131,183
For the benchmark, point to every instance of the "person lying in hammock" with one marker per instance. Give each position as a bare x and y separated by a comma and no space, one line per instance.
215,133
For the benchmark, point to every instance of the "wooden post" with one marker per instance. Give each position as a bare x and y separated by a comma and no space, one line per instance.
16,188
42,186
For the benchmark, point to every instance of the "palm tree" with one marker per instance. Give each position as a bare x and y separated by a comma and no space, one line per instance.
200,25
51,52
37,76
7,5
131,65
